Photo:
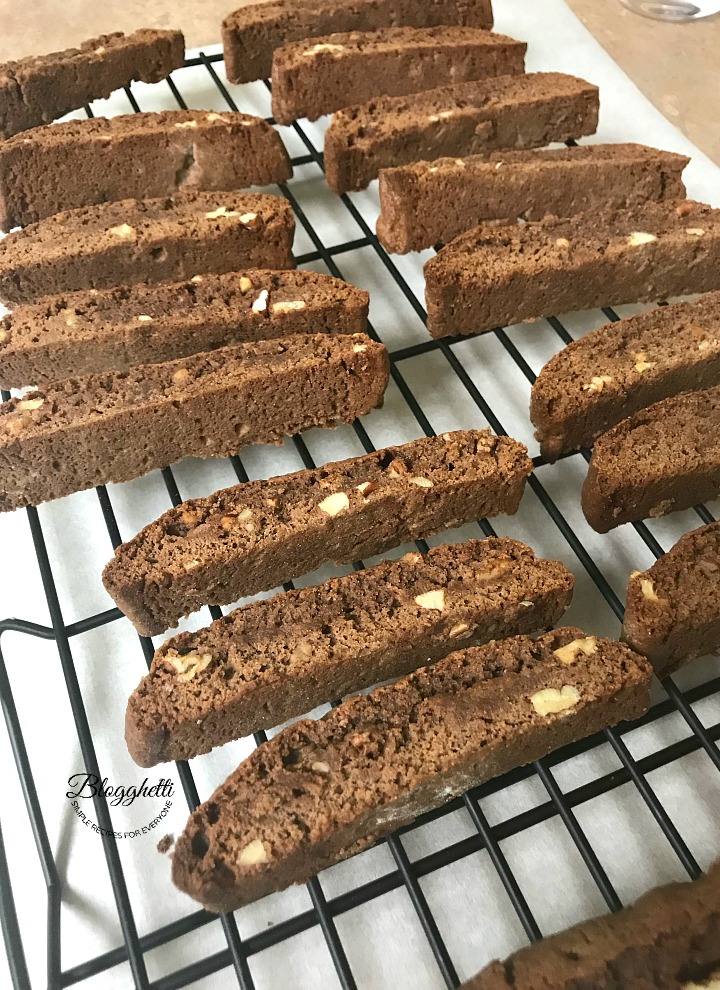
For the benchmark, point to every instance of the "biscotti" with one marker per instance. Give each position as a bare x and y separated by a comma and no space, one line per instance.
136,156
662,459
83,332
507,112
494,276
318,76
276,659
427,203
378,761
251,35
155,240
672,614
669,938
609,374
116,426
255,536
41,88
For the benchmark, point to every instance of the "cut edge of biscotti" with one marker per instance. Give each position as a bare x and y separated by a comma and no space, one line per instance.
533,183
151,240
366,138
638,470
116,426
310,77
376,762
479,281
597,381
251,34
256,536
672,615
90,331
188,139
276,659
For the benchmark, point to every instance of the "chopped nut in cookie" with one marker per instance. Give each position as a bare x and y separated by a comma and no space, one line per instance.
642,363
254,854
214,116
422,482
397,469
367,488
324,47
434,600
181,376
359,348
639,237
4,336
648,590
319,766
562,242
550,701
186,123
260,304
124,230
189,665
695,231
192,565
143,318
597,383
571,651
28,405
334,504
221,211
247,218
461,630
289,307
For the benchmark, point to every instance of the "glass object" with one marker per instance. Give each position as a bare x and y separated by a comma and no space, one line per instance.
673,10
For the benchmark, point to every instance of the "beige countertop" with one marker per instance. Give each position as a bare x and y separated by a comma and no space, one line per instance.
677,66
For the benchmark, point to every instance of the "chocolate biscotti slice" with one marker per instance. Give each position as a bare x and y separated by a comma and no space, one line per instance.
494,276
41,88
135,156
596,382
378,761
523,111
669,938
154,240
255,536
116,426
662,459
672,614
83,332
427,203
320,75
276,659
251,35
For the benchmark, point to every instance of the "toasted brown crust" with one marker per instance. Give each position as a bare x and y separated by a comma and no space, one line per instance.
596,382
672,614
153,240
318,76
672,933
41,88
521,111
80,333
495,276
285,527
276,659
251,35
321,790
428,203
135,156
116,426
662,459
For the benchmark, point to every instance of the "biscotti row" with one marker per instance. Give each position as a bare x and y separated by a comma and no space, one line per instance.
135,156
256,536
669,938
111,427
80,333
322,790
40,88
279,658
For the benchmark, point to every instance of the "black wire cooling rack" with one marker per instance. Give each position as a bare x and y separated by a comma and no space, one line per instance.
324,912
